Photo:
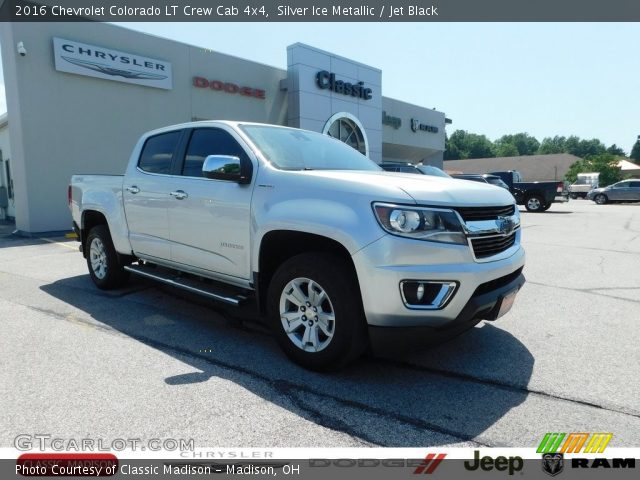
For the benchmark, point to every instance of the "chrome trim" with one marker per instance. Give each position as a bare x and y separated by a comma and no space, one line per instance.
441,299
169,281
475,228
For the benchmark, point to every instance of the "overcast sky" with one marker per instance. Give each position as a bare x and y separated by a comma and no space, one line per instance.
542,78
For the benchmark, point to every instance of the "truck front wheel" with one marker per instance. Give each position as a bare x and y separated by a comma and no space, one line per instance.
105,265
315,311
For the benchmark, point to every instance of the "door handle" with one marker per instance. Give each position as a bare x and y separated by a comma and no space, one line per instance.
133,189
179,194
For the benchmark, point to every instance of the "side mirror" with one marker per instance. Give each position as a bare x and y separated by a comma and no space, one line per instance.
226,167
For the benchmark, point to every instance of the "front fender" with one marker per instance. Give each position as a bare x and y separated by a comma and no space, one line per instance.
353,225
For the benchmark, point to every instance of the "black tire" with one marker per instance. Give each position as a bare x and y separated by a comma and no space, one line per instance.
110,273
574,196
534,203
600,199
546,207
348,338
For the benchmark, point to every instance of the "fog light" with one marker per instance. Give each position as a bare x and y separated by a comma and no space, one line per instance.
426,295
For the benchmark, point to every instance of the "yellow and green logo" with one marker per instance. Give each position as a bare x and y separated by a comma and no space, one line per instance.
573,442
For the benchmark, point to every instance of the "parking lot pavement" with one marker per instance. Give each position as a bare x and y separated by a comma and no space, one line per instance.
148,362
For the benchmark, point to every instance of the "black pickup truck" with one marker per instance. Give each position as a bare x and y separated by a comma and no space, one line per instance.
535,196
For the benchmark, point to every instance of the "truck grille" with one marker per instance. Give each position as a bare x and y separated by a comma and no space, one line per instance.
484,213
484,247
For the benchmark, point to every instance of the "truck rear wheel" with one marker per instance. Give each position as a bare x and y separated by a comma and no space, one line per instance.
534,203
105,265
315,311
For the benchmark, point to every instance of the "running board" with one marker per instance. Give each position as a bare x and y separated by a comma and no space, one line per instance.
169,277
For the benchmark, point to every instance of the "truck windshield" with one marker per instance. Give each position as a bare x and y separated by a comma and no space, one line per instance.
291,149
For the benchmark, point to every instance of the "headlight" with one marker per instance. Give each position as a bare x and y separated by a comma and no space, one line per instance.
420,223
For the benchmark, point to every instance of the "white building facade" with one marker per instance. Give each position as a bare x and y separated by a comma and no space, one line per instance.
82,94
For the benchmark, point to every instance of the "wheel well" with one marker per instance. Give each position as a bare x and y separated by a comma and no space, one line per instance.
90,219
280,245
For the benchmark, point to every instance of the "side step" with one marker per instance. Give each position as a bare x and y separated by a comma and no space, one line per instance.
188,283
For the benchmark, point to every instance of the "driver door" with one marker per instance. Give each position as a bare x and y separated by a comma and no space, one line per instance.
209,222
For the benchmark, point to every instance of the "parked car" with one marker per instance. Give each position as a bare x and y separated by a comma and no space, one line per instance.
585,182
625,191
334,252
535,196
483,178
413,168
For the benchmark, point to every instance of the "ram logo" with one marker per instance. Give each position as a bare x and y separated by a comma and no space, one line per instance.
552,463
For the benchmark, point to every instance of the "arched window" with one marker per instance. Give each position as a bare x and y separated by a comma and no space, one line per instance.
348,129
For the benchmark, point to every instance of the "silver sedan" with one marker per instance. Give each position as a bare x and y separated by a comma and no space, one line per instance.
625,191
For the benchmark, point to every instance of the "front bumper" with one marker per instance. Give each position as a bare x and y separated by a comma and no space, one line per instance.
384,264
484,304
592,194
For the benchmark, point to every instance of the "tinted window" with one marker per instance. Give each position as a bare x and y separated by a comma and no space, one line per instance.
205,142
621,185
408,170
158,151
635,184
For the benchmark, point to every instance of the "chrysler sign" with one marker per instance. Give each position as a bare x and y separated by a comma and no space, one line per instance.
100,62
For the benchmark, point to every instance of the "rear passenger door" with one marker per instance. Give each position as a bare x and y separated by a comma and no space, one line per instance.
210,224
146,195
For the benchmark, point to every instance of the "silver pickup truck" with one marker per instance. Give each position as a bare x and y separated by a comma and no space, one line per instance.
337,254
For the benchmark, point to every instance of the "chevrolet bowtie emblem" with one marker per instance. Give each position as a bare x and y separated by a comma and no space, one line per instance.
505,225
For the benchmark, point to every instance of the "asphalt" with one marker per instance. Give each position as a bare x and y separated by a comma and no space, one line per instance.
147,362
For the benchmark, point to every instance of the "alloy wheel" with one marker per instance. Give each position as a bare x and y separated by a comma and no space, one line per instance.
307,315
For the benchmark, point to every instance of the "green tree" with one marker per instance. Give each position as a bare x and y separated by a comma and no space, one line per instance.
524,144
573,145
635,151
463,144
616,150
451,151
606,164
580,166
586,148
506,150
550,145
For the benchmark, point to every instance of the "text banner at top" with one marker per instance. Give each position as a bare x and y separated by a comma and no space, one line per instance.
321,11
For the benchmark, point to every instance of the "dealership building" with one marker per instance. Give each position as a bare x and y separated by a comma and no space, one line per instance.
80,94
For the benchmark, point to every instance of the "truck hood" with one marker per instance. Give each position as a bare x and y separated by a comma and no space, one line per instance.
422,189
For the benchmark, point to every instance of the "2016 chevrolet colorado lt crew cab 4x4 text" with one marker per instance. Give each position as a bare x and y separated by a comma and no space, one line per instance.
336,253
